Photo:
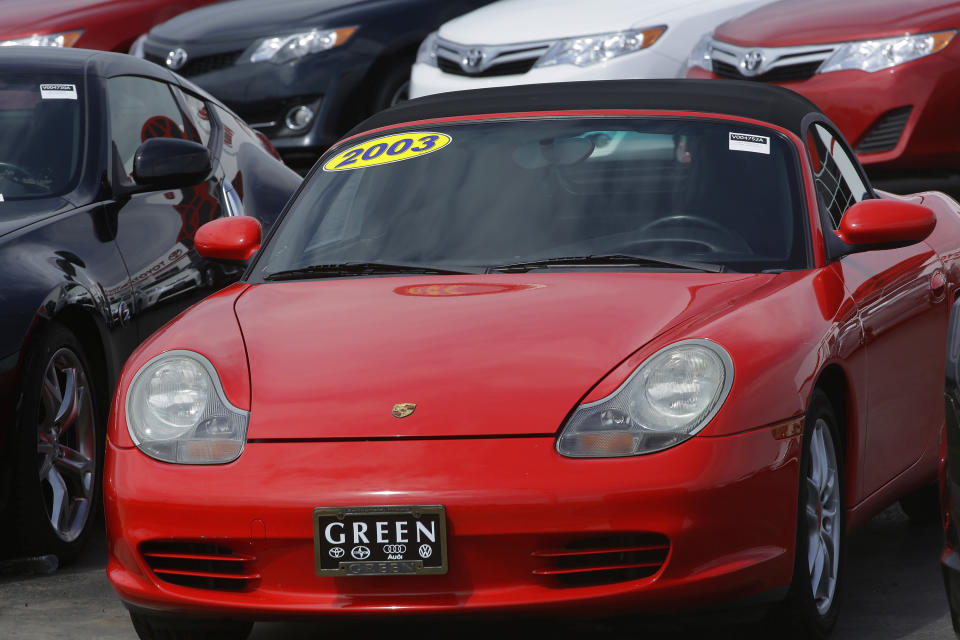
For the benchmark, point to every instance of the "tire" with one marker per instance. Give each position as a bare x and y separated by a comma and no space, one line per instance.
922,506
812,605
393,87
158,627
59,439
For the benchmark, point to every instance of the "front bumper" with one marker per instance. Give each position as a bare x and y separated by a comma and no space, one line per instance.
726,505
426,79
862,103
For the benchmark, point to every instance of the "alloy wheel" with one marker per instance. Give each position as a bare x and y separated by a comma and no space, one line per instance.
66,445
822,513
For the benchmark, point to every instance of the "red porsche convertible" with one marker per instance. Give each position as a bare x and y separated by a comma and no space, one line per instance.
587,347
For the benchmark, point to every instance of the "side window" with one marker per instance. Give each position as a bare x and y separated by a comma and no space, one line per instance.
835,173
197,116
141,108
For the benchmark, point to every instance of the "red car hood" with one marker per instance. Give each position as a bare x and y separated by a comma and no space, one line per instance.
484,355
789,22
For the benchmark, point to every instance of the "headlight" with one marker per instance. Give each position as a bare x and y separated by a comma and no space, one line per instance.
700,55
427,53
875,55
668,399
280,49
177,412
136,49
65,39
589,50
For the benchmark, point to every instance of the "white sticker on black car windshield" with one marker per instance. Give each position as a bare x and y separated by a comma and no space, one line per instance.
749,142
58,91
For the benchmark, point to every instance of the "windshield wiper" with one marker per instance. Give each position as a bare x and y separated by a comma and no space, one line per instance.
608,259
356,269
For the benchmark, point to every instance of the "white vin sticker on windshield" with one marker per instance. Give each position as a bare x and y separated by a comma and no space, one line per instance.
749,142
58,91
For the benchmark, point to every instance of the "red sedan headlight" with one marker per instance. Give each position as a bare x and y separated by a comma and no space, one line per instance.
177,412
668,399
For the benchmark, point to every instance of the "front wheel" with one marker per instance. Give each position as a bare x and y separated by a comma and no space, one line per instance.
812,603
59,440
159,627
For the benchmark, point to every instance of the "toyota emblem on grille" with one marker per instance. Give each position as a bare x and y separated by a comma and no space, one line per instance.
472,60
751,63
176,59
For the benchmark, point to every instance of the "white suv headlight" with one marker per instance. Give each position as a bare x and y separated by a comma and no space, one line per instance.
668,399
427,53
588,50
875,55
280,49
177,412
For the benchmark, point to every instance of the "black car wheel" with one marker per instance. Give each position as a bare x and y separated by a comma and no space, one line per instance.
59,439
811,606
393,87
922,506
158,627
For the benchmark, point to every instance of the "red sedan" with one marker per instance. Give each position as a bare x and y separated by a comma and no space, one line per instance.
883,70
584,347
110,25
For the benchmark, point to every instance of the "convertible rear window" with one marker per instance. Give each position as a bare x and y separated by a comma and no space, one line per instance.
40,135
486,194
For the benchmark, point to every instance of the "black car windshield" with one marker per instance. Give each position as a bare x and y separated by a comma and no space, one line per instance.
553,193
40,135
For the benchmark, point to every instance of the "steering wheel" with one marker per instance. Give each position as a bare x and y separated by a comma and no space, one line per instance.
720,238
9,167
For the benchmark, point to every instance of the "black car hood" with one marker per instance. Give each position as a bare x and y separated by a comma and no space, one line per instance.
15,214
251,19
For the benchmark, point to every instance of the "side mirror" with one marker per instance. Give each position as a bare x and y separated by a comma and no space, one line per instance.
234,238
170,163
884,224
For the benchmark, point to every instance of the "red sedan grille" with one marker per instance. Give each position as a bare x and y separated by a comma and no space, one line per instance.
605,560
201,565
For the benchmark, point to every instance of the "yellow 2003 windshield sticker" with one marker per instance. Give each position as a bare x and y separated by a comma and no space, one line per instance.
400,146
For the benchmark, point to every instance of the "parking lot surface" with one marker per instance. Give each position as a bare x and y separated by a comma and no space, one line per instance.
894,592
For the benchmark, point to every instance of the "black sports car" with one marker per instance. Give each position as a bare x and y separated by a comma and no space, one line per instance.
108,165
301,71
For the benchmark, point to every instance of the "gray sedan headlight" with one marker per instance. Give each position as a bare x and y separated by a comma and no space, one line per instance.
876,55
280,49
588,50
177,412
668,399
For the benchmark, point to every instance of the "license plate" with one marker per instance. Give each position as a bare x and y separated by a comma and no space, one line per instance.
365,541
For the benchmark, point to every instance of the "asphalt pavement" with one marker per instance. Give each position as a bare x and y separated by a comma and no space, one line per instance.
894,592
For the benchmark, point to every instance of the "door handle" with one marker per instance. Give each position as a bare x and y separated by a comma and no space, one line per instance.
938,285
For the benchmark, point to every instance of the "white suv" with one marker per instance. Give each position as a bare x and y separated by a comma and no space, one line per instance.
532,41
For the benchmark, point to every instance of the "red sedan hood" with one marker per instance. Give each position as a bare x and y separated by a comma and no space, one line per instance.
484,355
789,22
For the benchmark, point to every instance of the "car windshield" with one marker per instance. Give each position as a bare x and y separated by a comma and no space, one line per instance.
572,192
40,135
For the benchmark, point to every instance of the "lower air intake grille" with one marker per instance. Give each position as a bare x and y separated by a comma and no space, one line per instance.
885,132
201,565
605,560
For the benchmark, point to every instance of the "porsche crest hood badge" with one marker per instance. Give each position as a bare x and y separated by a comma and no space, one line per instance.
403,409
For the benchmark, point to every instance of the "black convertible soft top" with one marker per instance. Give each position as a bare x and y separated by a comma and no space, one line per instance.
756,100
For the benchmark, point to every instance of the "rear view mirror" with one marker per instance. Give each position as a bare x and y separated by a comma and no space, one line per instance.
170,163
234,238
884,224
